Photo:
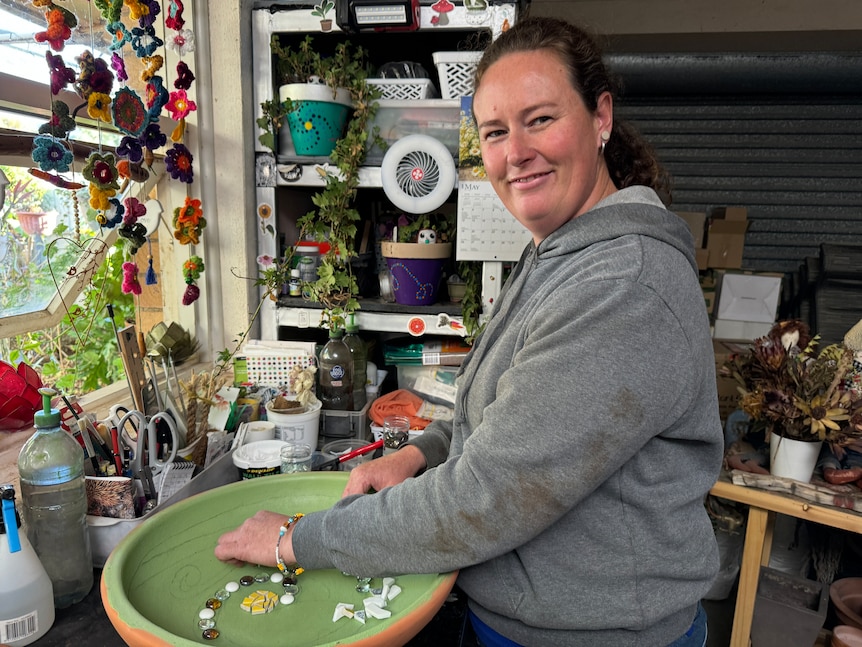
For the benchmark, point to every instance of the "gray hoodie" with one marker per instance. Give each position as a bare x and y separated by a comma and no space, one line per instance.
569,487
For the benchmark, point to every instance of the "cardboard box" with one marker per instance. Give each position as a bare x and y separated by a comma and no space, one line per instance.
732,330
725,238
697,223
748,296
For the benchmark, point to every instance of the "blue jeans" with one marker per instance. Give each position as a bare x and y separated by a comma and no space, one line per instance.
694,637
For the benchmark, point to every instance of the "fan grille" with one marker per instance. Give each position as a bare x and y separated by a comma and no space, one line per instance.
417,174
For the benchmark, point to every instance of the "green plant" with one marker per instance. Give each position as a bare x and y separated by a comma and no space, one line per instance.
322,10
442,222
471,305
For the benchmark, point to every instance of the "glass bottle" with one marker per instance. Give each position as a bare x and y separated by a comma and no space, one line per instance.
26,596
336,373
295,285
360,364
54,505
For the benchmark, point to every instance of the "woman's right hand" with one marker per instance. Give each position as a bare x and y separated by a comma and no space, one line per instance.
385,471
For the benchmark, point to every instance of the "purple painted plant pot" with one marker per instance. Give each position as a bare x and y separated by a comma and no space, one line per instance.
415,280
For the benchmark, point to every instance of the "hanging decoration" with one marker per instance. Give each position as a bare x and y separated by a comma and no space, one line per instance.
135,31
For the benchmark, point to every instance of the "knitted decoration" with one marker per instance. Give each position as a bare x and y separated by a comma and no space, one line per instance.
192,270
150,277
130,279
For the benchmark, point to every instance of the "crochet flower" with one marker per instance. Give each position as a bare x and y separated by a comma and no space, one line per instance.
131,285
135,235
145,41
61,74
119,35
175,18
184,76
57,33
50,154
157,97
130,149
180,105
178,162
189,222
137,9
113,216
134,209
193,268
99,106
153,137
101,170
182,42
61,122
99,198
130,115
153,10
119,67
152,64
94,77
123,169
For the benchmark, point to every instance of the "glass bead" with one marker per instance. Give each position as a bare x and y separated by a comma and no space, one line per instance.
246,580
364,584
213,603
231,587
293,589
276,578
290,578
287,598
222,594
210,634
206,614
206,623
261,577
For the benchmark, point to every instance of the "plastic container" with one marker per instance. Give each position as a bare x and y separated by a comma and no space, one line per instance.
360,365
336,373
296,427
54,505
255,460
26,595
456,70
336,448
396,119
344,424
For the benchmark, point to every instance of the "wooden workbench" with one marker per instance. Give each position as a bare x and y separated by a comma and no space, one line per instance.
762,507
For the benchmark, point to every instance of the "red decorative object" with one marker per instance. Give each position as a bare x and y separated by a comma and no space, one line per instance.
19,395
32,222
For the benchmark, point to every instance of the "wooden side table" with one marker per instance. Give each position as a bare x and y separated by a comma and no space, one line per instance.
762,507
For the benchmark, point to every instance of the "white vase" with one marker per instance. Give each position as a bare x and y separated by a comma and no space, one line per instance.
795,459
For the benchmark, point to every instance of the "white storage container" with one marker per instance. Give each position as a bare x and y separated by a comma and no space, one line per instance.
456,70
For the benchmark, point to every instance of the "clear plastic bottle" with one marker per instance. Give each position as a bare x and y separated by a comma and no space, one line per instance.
26,596
54,505
336,373
360,364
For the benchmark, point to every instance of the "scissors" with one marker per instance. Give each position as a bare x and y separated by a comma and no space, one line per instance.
144,439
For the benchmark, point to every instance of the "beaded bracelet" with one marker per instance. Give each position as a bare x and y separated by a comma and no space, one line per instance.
279,562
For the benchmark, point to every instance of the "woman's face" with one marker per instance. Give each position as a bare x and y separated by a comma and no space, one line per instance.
540,145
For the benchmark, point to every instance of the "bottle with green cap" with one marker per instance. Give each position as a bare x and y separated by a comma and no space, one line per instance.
54,505
360,363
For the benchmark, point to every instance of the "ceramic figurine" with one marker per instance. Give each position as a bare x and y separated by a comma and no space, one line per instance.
427,237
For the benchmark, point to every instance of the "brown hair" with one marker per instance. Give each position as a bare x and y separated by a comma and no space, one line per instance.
629,158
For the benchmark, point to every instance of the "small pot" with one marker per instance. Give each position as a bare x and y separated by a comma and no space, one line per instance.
416,270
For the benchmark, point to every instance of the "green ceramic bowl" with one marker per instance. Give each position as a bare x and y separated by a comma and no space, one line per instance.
160,575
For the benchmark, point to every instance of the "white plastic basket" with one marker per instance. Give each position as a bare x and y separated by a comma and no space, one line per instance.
412,89
455,70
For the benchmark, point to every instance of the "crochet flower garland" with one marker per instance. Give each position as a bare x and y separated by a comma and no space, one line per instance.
137,116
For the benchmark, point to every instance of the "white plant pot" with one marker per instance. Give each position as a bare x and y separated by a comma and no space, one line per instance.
314,92
794,459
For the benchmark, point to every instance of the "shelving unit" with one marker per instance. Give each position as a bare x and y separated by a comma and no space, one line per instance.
284,184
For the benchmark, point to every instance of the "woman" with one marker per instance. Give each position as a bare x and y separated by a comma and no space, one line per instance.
569,486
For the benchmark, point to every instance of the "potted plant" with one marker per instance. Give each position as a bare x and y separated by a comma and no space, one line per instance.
334,219
322,11
797,394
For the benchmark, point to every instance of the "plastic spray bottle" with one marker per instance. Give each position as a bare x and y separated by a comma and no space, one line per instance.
26,596
54,504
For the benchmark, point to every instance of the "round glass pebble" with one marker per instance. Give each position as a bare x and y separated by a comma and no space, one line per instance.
246,580
231,587
290,578
213,603
276,578
261,577
364,584
206,614
210,634
287,598
222,594
293,589
206,623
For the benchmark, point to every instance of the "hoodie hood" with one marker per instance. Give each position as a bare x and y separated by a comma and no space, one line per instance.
605,222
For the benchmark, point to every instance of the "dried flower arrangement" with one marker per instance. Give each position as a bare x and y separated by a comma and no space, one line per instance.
789,388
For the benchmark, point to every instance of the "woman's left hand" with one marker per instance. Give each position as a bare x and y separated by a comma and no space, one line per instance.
254,541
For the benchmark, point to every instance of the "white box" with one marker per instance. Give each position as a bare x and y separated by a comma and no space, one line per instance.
730,329
748,297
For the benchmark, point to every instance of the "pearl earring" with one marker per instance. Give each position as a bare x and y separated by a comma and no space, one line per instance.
605,138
